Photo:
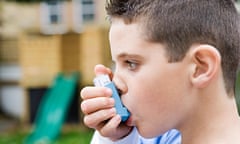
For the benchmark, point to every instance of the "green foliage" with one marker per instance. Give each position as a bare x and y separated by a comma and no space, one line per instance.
237,91
74,136
12,138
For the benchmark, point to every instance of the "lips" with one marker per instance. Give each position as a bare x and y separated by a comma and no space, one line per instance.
129,121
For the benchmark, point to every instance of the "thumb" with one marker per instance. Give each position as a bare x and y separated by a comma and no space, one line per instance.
101,69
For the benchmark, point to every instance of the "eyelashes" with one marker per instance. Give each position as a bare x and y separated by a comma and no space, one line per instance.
131,65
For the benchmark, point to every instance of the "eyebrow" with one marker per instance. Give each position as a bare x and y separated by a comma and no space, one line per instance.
128,55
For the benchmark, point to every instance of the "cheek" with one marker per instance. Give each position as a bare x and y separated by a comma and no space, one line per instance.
156,96
144,98
150,109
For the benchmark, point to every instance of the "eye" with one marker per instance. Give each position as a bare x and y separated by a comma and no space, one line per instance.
131,65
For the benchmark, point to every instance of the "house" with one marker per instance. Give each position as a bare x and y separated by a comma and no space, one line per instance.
39,40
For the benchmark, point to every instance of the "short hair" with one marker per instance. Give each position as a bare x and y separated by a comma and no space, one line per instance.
180,23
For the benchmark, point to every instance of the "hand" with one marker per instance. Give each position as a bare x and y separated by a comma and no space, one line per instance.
99,111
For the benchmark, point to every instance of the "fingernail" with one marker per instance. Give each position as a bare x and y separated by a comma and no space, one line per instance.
118,118
113,111
109,91
112,101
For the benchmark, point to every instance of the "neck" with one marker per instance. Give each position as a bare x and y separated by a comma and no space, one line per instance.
214,120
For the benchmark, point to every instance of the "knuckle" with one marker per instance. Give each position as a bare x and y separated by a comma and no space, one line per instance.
104,132
84,107
106,102
105,114
88,122
107,131
83,92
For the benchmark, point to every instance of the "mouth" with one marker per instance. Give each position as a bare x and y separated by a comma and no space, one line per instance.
129,121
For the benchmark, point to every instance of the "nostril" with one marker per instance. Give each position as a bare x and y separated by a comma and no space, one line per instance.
119,91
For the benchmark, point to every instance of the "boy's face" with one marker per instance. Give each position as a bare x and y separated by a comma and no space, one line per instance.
154,91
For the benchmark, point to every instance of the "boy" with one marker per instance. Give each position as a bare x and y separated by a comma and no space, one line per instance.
176,64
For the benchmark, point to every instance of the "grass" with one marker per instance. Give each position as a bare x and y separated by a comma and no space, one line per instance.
69,135
237,91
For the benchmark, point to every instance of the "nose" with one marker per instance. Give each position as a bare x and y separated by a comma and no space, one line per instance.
120,84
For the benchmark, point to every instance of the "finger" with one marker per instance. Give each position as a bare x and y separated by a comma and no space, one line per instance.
93,92
114,129
94,120
101,69
92,105
110,127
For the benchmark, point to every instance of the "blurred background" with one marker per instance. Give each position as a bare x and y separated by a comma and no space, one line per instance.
48,49
44,44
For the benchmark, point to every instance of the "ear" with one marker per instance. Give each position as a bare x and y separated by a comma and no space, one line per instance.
206,61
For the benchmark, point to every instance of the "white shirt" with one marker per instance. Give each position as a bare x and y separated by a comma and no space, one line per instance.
170,137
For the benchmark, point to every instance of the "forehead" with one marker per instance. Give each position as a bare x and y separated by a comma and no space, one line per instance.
129,38
125,37
120,29
126,34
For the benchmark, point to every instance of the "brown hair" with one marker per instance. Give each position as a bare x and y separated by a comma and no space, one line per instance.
180,23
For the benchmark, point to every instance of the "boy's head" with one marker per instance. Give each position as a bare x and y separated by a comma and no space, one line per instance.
178,24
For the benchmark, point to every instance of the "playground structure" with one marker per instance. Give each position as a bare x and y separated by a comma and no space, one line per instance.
52,110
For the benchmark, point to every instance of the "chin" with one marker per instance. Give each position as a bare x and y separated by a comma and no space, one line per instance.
146,133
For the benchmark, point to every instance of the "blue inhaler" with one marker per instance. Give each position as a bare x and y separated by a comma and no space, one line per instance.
104,81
